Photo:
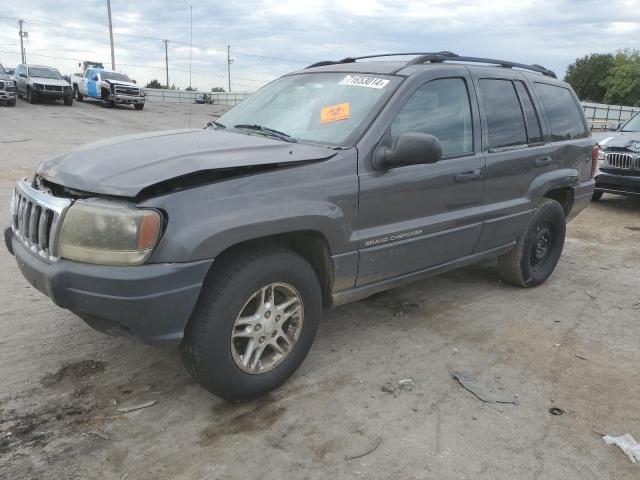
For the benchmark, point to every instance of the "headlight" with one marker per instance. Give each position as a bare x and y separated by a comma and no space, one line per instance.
37,86
142,93
108,234
1,85
602,158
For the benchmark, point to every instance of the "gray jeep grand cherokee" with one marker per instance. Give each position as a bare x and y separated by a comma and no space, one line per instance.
326,186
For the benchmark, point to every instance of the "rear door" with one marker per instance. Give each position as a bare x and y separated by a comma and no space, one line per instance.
516,153
415,217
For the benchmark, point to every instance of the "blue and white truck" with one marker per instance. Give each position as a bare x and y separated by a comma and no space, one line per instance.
110,87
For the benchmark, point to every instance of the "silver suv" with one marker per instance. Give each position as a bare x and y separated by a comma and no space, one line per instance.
7,88
37,83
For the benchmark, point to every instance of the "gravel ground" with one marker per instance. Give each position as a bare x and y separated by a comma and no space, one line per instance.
571,344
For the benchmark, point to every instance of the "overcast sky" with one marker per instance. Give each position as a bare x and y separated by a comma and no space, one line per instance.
271,37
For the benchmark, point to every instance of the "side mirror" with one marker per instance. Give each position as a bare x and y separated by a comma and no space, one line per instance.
412,149
134,81
95,78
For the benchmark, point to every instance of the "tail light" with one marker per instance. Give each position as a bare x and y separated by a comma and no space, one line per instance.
594,159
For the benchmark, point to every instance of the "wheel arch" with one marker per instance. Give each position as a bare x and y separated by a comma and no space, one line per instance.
311,245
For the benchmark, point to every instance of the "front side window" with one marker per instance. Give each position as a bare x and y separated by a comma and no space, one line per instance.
88,73
440,108
564,114
326,108
2,70
505,122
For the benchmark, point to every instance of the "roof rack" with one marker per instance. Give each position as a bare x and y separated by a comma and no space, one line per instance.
440,57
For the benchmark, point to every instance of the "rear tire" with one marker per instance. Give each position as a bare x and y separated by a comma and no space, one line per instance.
213,349
138,106
538,249
597,195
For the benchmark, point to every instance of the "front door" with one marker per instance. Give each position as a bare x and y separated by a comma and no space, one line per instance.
92,88
412,218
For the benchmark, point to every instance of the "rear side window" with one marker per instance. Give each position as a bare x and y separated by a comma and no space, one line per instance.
534,133
563,112
440,108
505,122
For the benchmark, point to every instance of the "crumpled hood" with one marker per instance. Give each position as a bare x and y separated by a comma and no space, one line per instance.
50,81
123,166
617,139
120,82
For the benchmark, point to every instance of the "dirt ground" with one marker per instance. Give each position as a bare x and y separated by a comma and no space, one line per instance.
570,344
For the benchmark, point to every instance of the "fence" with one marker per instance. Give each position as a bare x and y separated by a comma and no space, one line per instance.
603,117
182,96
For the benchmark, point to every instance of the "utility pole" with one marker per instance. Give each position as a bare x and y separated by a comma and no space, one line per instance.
229,62
22,35
166,59
190,43
113,57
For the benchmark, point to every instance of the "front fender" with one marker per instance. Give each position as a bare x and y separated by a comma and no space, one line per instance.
206,220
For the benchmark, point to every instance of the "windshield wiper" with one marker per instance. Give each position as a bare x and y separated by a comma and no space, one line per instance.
267,130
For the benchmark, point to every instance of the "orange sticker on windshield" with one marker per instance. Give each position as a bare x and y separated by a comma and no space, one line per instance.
333,113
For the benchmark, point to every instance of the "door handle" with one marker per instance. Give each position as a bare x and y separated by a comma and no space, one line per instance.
543,161
468,176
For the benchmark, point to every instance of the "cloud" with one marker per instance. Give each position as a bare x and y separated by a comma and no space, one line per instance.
271,37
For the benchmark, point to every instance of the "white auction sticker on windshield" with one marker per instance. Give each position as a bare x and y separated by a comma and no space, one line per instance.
364,81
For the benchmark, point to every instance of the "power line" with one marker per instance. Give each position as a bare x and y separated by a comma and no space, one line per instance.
245,79
146,37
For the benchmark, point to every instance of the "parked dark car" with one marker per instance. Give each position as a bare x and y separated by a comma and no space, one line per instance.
36,83
7,88
328,185
619,160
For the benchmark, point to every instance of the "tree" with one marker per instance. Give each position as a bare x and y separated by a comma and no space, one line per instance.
587,76
190,89
623,81
154,84
217,89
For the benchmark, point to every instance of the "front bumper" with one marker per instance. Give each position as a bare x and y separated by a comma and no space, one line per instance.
4,95
53,95
618,183
149,302
126,99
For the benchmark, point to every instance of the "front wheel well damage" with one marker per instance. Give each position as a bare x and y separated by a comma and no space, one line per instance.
564,196
309,244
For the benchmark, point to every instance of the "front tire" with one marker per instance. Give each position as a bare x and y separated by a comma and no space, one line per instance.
11,103
254,323
77,93
138,106
538,249
68,101
597,195
32,96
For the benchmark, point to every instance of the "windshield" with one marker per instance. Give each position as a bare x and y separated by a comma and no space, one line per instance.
44,72
632,125
114,76
326,108
2,70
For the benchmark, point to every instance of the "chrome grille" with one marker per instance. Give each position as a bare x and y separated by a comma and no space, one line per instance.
36,217
125,90
623,161
10,87
53,88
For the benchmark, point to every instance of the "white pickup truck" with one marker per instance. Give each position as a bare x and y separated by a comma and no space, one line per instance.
109,87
